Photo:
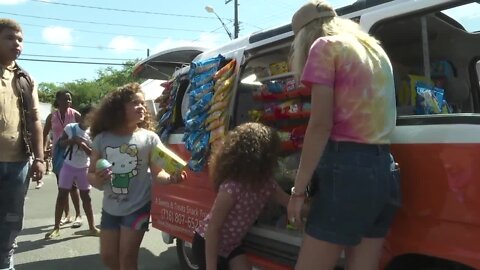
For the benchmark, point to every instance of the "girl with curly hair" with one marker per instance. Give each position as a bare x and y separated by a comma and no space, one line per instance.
121,131
242,174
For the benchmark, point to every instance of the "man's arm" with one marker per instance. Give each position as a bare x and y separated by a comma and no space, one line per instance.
38,166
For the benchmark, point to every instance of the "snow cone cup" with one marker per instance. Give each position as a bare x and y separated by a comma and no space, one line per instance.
102,164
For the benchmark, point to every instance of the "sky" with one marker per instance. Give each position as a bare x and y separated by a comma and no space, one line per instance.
114,31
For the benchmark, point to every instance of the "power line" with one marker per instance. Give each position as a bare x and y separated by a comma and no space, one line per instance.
76,57
97,32
79,46
125,10
103,23
71,62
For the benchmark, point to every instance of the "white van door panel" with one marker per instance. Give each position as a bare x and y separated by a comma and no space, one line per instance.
367,20
162,65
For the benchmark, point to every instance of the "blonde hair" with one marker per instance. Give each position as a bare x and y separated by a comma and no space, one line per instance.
327,26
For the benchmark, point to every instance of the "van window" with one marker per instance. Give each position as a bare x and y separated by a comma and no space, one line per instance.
436,49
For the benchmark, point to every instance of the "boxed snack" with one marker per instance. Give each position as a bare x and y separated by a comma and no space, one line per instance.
168,160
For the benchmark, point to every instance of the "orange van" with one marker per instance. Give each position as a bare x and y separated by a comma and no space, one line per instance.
434,42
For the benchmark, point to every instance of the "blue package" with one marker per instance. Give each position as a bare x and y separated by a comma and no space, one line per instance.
200,106
204,65
197,93
196,122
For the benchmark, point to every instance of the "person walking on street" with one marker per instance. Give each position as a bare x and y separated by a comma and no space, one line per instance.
74,170
122,134
56,122
20,138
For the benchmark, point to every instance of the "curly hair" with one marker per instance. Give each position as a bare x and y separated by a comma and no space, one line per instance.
248,155
110,115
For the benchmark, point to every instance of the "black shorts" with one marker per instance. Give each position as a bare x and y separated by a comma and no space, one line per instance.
198,250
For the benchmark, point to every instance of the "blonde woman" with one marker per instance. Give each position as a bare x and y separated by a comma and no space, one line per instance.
346,154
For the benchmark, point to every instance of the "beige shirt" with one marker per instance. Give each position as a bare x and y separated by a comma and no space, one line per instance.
10,126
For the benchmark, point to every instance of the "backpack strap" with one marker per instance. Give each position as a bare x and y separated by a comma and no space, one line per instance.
24,85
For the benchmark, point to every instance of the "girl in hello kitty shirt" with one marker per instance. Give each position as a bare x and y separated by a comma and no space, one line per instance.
242,174
122,134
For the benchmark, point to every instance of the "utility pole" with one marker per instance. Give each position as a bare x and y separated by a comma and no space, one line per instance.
236,26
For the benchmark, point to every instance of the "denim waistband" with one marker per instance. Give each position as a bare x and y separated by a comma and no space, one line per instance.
334,146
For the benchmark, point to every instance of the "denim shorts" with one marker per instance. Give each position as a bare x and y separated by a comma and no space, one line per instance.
137,221
356,192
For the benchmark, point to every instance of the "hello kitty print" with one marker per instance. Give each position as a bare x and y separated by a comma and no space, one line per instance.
124,162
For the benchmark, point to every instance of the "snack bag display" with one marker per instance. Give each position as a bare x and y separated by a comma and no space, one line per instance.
430,100
217,121
200,96
167,159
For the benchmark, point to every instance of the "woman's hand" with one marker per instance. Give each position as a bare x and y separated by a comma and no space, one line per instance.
294,210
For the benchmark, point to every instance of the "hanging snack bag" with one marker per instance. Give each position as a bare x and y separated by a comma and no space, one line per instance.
205,65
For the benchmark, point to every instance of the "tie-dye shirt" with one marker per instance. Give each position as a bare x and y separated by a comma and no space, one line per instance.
364,108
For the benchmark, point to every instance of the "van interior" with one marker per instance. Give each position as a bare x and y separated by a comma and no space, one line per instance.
432,47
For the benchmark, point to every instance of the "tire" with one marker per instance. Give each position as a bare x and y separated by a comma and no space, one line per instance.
185,256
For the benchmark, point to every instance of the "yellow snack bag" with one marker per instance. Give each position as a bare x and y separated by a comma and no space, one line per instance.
167,159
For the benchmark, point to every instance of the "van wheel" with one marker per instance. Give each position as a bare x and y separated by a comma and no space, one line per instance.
185,256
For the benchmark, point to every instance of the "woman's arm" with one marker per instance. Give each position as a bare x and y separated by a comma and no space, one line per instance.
316,137
78,117
46,129
97,179
220,209
317,134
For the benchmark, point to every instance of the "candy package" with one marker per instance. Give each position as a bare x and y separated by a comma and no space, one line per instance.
429,100
200,106
202,78
204,65
225,71
197,93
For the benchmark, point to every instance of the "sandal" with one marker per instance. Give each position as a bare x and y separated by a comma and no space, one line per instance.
95,232
66,220
77,223
55,233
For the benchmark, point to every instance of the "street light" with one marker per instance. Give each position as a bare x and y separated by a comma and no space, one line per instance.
210,9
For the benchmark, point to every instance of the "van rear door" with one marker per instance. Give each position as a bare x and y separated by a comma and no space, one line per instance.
162,65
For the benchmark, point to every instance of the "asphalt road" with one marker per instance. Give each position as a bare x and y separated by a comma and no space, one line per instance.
73,250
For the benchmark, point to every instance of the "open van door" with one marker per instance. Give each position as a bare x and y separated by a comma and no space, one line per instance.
162,65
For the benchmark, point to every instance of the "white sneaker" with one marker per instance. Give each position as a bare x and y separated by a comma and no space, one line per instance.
39,184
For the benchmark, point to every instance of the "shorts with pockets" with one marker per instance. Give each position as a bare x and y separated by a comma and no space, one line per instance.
356,192
137,221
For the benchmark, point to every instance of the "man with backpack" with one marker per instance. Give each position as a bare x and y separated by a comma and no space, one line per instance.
20,138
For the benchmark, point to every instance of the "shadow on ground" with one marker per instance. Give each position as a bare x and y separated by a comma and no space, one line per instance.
147,261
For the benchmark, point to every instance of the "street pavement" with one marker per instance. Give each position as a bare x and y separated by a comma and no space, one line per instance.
73,250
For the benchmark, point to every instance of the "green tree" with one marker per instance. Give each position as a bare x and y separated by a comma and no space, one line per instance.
91,91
